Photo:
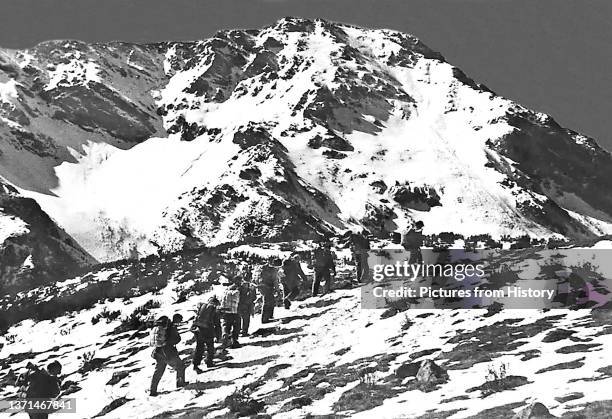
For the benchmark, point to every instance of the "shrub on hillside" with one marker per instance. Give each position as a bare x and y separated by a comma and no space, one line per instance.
109,316
242,404
139,319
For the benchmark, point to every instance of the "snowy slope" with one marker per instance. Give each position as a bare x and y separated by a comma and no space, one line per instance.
288,131
322,349
11,226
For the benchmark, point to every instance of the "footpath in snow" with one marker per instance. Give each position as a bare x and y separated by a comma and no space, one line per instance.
326,355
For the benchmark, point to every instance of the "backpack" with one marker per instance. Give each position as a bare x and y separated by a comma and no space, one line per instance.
267,278
159,334
247,295
396,237
413,239
207,316
323,258
359,242
40,384
230,300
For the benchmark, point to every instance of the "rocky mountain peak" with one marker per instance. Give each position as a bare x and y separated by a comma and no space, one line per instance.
294,129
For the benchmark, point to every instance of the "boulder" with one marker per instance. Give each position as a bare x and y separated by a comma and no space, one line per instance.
431,373
379,186
534,411
421,198
331,141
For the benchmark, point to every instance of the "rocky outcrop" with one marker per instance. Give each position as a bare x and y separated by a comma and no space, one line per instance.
430,373
421,198
534,411
33,249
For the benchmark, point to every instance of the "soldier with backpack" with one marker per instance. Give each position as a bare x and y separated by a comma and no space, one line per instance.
230,319
324,267
293,275
246,305
37,383
164,338
359,245
206,327
268,287
412,241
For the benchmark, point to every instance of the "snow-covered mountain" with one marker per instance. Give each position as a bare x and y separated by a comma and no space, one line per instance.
283,132
33,249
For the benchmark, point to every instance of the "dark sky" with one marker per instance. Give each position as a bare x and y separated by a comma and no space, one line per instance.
550,55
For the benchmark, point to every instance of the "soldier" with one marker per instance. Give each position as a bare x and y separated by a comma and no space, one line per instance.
164,338
268,286
412,241
230,319
359,245
324,267
40,384
292,276
246,305
206,327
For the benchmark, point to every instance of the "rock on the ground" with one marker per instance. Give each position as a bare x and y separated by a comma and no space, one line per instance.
534,411
569,397
431,373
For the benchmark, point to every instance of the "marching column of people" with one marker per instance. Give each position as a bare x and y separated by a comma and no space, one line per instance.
220,319
224,319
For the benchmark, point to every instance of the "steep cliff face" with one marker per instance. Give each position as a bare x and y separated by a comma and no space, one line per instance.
33,249
288,131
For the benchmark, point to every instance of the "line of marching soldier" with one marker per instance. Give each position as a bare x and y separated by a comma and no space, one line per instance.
225,318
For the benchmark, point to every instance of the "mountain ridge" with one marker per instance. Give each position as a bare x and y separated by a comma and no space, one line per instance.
301,128
33,249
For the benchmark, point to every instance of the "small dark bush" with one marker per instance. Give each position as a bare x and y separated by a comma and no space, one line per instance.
301,401
406,323
134,321
89,362
146,307
106,314
139,319
242,404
